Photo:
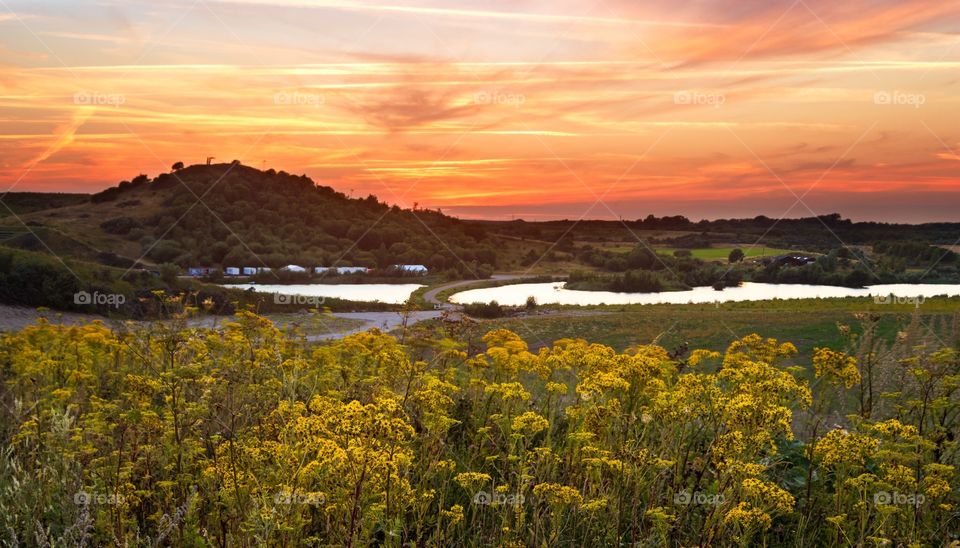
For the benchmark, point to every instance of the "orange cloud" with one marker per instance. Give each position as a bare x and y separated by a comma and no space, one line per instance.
528,108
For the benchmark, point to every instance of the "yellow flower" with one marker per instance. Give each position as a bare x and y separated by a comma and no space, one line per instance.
660,514
895,429
837,367
699,356
748,518
596,383
581,437
841,447
753,347
454,515
508,391
556,388
936,479
529,423
898,475
508,352
594,505
557,495
769,495
471,480
838,520
446,465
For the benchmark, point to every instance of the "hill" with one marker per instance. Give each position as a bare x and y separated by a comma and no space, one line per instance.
26,202
236,215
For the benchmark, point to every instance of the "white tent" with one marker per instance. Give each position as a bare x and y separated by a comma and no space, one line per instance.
411,268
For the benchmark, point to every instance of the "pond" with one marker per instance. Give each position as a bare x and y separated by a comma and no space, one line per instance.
384,293
554,293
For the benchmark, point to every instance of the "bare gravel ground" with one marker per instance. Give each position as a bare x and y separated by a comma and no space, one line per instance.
13,318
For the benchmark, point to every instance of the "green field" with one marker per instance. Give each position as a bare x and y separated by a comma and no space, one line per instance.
721,253
806,323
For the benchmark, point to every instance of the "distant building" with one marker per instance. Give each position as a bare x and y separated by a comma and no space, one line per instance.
415,269
231,271
249,271
199,271
293,268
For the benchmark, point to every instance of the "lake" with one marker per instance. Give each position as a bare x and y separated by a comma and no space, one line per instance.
554,293
384,293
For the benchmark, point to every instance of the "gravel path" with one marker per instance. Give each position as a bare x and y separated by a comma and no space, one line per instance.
384,321
14,318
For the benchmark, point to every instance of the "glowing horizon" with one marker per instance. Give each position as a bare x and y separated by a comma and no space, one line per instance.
527,109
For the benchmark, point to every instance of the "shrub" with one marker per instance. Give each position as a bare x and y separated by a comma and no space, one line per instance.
120,225
484,310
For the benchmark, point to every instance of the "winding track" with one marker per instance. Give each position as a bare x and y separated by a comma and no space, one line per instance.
431,296
387,321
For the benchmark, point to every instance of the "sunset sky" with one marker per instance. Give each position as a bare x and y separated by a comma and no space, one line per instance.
522,108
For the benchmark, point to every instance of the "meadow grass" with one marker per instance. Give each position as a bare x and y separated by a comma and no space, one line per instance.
722,253
807,323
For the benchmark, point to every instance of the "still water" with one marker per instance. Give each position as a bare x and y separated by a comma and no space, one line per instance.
554,293
384,293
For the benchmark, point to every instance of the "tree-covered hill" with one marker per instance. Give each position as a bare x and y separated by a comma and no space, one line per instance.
235,215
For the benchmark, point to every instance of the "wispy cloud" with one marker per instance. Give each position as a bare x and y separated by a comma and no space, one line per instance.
421,10
515,97
64,134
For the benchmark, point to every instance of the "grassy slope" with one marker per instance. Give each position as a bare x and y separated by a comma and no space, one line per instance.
163,209
81,221
26,202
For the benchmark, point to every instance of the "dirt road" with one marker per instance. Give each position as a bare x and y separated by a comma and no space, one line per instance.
14,318
384,321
